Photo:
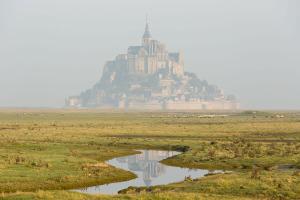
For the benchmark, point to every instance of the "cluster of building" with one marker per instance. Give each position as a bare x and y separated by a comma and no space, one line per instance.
150,77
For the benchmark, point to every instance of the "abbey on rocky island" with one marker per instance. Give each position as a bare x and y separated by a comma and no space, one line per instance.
149,77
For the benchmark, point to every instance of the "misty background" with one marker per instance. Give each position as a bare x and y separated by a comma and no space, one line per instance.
52,49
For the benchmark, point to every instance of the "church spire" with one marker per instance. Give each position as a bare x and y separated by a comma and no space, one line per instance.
147,31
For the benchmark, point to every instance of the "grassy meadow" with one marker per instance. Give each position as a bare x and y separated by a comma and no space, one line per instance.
43,153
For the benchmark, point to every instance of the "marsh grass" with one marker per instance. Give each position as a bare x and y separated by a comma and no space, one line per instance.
63,149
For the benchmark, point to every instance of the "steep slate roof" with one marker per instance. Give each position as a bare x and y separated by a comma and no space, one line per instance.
174,56
134,49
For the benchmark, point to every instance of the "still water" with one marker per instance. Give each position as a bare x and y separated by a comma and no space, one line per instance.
149,172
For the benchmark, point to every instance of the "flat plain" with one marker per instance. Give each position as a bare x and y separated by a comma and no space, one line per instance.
44,153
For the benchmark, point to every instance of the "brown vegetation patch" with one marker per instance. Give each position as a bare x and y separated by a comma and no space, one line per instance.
94,165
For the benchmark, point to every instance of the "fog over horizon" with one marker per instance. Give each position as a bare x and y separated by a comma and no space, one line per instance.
53,49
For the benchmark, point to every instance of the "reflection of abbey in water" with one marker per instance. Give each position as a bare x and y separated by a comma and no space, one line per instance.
147,162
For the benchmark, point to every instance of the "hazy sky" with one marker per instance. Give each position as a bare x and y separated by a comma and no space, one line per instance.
51,49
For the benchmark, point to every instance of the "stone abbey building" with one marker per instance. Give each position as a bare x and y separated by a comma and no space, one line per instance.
149,58
150,77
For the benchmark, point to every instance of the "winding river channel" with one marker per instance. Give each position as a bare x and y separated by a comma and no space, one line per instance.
149,171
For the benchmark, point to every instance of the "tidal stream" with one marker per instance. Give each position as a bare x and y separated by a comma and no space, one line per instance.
149,172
